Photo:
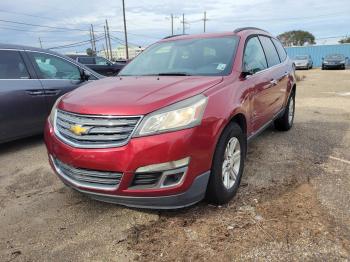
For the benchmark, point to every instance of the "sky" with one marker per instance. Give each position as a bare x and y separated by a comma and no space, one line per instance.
62,22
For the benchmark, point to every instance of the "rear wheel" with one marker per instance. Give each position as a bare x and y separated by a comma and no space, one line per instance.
285,122
227,166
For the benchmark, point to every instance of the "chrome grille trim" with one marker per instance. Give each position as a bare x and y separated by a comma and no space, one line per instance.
104,131
86,177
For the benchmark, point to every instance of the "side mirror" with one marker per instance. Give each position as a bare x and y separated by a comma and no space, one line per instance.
246,73
85,76
322,58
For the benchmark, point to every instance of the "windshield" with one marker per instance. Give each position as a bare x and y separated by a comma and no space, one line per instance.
205,56
301,57
335,56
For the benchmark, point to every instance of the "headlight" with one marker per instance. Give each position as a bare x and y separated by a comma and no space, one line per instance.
342,62
53,111
184,114
325,62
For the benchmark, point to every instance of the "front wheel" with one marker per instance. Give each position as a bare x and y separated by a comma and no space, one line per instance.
285,122
227,166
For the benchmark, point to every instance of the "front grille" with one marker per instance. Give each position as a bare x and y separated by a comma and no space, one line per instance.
99,131
87,177
146,179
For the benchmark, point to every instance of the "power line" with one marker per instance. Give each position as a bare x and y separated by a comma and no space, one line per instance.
24,14
77,43
71,29
22,29
44,26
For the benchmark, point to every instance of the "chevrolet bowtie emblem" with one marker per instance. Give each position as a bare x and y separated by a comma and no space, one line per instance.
78,130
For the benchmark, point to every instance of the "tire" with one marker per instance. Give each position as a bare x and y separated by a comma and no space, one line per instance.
220,190
285,122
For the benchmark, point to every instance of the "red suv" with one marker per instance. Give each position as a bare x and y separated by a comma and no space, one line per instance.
173,127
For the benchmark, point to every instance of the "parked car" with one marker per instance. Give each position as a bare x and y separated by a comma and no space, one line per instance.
303,62
336,61
99,64
174,126
31,79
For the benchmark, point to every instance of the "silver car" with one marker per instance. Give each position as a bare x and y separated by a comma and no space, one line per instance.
303,62
31,79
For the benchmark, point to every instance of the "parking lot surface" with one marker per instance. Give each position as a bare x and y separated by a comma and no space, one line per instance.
293,203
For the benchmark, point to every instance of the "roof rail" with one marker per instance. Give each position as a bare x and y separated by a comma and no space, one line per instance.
247,28
171,36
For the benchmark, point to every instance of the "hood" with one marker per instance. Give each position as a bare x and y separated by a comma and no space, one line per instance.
134,95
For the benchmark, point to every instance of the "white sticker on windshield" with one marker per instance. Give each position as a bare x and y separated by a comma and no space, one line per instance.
221,67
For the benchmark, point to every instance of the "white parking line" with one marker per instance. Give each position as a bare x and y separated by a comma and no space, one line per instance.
340,159
338,93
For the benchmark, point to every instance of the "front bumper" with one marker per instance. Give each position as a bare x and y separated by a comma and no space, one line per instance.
301,66
193,195
194,143
333,65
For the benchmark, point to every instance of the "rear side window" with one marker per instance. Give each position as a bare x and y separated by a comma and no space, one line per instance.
270,51
87,60
254,58
12,65
281,52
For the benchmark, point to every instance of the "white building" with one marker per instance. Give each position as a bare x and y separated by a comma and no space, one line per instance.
120,52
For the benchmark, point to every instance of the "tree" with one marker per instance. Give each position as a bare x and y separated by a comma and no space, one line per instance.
296,38
345,40
90,52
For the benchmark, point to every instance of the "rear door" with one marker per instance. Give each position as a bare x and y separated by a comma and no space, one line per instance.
57,75
23,107
278,76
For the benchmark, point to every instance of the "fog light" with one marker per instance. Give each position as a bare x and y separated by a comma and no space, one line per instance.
161,175
172,179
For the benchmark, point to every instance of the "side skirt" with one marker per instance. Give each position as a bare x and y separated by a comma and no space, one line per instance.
265,126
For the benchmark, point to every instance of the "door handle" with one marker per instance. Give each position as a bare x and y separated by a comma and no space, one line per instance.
273,82
52,92
35,92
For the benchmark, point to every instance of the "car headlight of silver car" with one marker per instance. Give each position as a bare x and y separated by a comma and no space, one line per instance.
342,62
181,115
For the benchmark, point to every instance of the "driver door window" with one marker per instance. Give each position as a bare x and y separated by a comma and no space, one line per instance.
254,58
52,67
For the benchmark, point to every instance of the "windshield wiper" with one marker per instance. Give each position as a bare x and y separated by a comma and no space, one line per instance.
174,74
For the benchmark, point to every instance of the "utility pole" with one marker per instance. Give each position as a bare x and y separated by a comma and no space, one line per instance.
126,34
205,20
183,24
106,50
109,41
172,24
93,39
40,42
92,43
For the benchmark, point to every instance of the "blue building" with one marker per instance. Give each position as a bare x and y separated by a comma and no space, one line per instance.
319,51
